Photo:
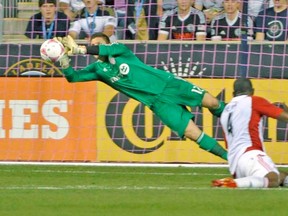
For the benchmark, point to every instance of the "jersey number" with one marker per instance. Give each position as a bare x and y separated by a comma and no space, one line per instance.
198,90
229,124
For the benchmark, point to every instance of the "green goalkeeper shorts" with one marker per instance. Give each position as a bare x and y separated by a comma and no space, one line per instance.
171,105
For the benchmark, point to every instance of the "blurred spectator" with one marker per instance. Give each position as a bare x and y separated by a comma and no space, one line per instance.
227,25
71,7
183,23
164,5
271,23
142,20
48,23
211,8
1,20
93,19
255,6
120,7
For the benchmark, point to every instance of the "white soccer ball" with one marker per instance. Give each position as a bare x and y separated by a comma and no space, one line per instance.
52,50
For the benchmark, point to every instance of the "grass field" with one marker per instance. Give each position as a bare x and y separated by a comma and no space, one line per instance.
129,191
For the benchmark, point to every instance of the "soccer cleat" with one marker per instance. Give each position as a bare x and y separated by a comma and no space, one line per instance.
225,182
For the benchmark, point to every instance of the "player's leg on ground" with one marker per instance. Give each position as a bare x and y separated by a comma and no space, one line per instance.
215,106
252,182
205,142
270,180
255,169
246,182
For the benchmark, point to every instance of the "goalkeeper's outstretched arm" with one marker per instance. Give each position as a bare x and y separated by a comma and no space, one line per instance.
74,48
106,49
92,50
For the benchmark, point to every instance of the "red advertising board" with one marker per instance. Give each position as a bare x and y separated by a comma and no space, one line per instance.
47,119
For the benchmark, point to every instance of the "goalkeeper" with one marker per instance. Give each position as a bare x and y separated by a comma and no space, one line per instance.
164,93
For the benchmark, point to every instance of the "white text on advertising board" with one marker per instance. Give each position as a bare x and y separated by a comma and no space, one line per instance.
22,126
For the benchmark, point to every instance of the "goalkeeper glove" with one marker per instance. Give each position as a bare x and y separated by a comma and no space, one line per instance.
60,39
73,46
64,61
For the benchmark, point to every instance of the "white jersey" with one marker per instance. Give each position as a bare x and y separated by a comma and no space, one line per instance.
242,122
92,23
75,5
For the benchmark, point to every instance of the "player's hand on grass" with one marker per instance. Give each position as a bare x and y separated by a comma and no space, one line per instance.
73,47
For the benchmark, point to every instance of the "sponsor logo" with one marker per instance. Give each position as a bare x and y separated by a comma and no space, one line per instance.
33,67
22,119
30,118
190,28
124,69
135,129
133,132
184,68
275,29
237,32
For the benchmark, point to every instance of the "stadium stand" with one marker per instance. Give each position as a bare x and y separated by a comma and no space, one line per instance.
27,9
16,17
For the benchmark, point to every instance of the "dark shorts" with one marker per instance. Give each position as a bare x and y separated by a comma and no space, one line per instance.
171,105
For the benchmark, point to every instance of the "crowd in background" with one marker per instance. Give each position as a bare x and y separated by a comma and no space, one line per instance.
161,19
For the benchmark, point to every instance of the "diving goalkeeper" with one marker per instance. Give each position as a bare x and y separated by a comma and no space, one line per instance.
164,93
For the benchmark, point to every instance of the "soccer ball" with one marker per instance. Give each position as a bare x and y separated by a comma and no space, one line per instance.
52,50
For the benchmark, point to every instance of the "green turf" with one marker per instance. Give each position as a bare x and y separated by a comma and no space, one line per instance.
129,191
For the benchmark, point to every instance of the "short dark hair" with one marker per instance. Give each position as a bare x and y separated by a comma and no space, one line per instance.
100,34
41,2
243,86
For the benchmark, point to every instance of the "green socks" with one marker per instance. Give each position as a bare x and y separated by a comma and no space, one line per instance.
211,145
217,112
208,143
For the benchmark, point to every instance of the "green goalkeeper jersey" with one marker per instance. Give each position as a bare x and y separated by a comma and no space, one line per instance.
123,72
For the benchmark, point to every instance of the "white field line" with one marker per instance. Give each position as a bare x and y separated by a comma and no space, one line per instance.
114,164
111,164
126,188
98,187
95,187
93,172
113,172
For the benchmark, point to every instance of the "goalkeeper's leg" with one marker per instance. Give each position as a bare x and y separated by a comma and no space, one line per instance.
204,141
215,106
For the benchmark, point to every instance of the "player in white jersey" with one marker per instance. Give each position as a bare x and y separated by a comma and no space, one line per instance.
242,121
92,19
